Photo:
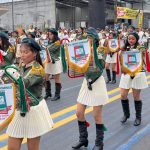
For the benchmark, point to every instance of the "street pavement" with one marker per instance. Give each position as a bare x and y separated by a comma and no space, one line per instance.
118,136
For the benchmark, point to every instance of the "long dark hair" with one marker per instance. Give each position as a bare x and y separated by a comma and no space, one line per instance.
5,44
34,50
55,38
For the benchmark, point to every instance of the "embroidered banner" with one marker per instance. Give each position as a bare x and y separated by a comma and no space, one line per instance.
131,62
7,104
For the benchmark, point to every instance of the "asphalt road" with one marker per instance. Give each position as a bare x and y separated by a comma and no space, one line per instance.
118,136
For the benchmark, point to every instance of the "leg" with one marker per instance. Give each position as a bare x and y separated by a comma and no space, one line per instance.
138,106
57,87
107,65
33,143
14,143
125,104
97,114
47,87
114,73
83,134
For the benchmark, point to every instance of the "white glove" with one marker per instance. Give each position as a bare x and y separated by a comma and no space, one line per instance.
3,53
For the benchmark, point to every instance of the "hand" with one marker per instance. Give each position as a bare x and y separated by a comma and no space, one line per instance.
3,53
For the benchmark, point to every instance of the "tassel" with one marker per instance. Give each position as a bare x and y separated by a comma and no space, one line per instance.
63,58
147,61
87,124
118,64
104,128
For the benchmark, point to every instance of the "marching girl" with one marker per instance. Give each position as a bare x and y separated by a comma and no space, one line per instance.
34,121
111,60
7,51
93,93
55,66
137,83
80,34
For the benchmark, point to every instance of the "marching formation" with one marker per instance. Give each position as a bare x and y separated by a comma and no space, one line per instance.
29,58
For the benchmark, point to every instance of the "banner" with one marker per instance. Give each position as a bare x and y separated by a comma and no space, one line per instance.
79,55
7,104
113,45
141,16
127,13
131,62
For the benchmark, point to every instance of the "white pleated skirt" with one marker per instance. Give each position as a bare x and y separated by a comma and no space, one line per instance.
95,97
36,122
112,59
55,68
138,82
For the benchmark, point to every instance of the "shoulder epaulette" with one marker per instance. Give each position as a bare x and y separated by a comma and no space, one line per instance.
37,69
57,43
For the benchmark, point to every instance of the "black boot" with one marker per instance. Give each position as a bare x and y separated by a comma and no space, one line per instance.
138,109
126,110
99,137
108,76
83,136
57,92
47,89
114,77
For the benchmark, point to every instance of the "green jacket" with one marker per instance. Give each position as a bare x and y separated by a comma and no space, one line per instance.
9,58
33,77
81,36
54,50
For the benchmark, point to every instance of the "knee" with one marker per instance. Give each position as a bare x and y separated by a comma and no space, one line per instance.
124,96
136,97
80,115
98,118
13,147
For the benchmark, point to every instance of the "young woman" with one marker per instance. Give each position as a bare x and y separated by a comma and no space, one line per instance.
93,93
37,121
80,34
54,66
136,83
7,51
111,60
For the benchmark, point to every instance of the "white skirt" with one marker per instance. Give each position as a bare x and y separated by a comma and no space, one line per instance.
95,97
36,122
139,81
112,59
55,68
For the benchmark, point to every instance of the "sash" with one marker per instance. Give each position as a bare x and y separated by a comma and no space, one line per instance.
131,62
113,45
78,55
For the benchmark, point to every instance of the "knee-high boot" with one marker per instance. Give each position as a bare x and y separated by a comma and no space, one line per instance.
138,109
83,135
113,77
108,75
126,110
57,92
47,89
99,137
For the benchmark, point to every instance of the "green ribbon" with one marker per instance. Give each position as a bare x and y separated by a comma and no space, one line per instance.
63,58
97,62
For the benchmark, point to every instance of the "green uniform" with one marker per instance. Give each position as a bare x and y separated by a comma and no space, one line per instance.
81,36
9,58
33,76
54,50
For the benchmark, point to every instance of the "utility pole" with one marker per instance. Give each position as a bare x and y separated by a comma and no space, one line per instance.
13,15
